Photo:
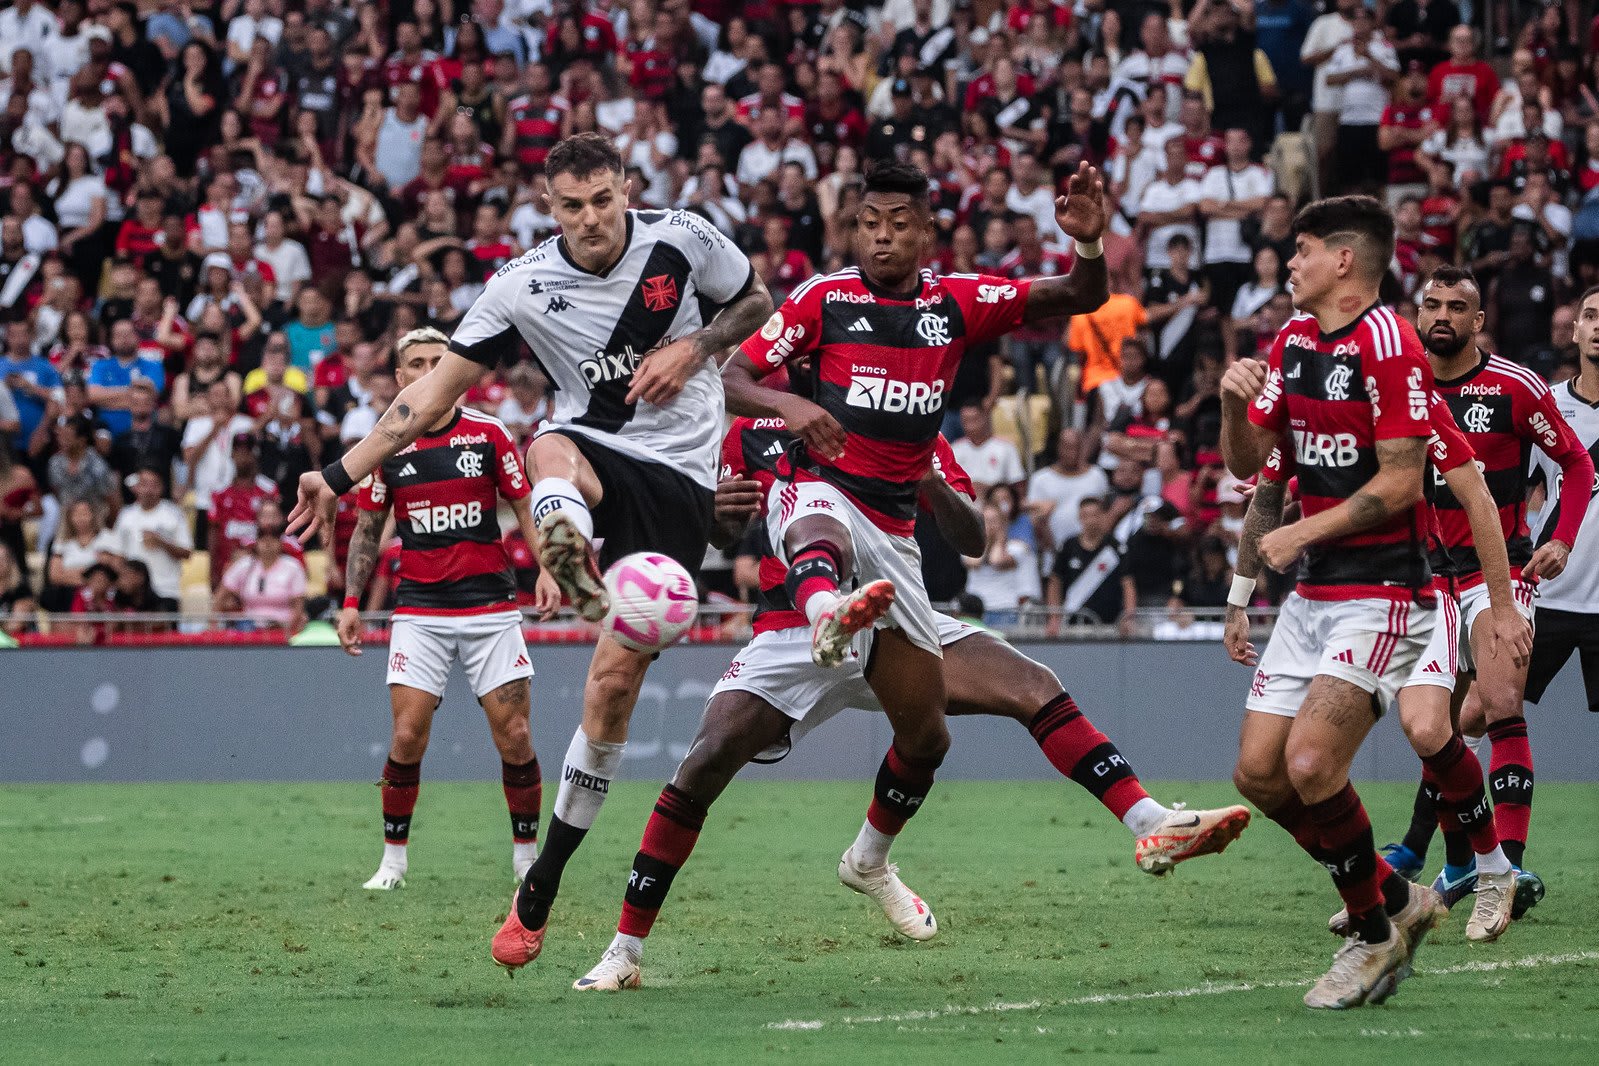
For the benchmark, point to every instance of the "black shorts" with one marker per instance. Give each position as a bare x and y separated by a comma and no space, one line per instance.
1556,635
647,507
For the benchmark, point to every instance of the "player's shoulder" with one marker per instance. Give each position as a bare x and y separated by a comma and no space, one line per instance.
1516,377
529,264
846,285
981,288
478,421
1384,335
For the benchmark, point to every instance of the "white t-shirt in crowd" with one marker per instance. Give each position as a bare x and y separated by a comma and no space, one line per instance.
243,30
267,592
358,422
1004,590
1162,195
1066,492
290,265
75,556
1365,98
1224,237
1328,31
1465,154
758,162
993,462
165,520
1040,205
213,470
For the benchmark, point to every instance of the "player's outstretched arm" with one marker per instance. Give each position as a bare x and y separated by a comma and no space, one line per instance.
1510,633
662,374
1244,445
959,521
365,546
418,406
1085,288
1264,515
1397,485
748,397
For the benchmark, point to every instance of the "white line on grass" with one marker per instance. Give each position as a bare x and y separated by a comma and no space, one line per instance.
1209,988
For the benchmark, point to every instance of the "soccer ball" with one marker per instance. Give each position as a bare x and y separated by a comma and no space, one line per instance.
653,601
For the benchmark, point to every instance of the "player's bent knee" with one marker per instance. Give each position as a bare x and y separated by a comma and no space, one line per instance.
1315,774
926,745
1264,789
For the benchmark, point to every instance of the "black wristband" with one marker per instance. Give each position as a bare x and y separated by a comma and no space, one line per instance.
339,481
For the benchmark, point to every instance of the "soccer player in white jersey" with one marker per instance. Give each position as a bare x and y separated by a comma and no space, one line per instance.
1567,615
629,314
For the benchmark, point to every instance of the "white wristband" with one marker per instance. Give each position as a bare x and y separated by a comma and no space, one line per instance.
1089,249
1242,592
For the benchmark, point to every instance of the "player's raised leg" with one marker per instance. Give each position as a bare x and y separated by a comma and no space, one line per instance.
822,559
565,491
738,725
985,675
402,780
909,682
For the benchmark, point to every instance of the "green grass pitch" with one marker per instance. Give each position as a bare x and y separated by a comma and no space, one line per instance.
209,923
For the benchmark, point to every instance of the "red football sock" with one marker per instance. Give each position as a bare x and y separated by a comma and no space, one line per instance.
669,838
1465,803
815,571
898,793
1357,870
1075,748
400,784
524,795
1510,779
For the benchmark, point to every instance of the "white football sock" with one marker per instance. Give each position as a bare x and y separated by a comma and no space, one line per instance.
585,779
1475,744
394,856
553,494
870,850
633,945
522,855
1143,817
1493,862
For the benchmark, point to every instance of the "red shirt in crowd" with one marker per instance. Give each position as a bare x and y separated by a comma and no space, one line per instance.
1203,153
136,241
983,87
1439,213
1402,168
233,514
1477,81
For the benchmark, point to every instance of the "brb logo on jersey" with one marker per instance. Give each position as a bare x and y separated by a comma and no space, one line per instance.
872,388
446,517
1325,449
1478,418
659,292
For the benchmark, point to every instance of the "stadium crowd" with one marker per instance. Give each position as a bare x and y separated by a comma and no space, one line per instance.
216,217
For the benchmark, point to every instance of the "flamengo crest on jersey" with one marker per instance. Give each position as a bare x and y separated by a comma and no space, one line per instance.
676,272
882,365
1577,587
1334,397
444,489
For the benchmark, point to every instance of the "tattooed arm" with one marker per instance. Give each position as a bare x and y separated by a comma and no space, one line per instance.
1397,485
662,374
1265,514
419,405
365,546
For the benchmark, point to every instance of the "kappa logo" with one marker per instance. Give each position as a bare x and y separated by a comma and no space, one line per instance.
1478,418
659,292
860,325
470,464
934,329
408,470
1337,383
557,304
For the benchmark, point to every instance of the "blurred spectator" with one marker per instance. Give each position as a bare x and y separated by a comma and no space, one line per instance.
1362,69
77,471
1420,28
110,380
1520,299
1407,125
1234,77
31,382
1486,246
1464,75
1054,491
1101,339
989,460
1459,146
528,403
1086,581
1253,295
210,443
266,584
1005,577
147,442
97,595
1208,579
19,500
1170,206
83,541
191,389
154,531
1233,195
17,603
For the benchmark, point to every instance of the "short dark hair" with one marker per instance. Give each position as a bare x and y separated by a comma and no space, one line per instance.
903,178
583,154
1358,222
1450,275
1590,291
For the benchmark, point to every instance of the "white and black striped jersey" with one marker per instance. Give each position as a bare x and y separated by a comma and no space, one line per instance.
1577,587
589,331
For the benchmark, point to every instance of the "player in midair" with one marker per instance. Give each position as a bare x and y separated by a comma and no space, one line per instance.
1507,413
773,693
456,602
1424,704
1347,385
884,340
628,314
1567,616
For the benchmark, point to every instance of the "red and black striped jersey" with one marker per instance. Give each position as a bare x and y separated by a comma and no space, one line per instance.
444,489
538,126
753,449
1334,396
1505,410
882,366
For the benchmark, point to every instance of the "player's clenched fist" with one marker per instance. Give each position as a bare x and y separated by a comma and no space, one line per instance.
819,430
737,499
1244,381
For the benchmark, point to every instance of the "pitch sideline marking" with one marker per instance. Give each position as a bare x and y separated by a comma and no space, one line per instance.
1208,989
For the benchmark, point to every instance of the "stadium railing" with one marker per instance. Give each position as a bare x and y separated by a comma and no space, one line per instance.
717,624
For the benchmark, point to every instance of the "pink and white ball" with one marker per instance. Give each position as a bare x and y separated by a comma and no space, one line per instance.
653,601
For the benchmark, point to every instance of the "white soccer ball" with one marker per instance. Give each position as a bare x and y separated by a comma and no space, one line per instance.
653,601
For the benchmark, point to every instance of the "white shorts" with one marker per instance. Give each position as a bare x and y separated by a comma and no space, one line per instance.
1371,643
777,667
878,555
1474,601
490,647
1440,660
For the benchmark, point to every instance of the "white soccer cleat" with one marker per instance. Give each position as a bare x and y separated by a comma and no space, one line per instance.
836,627
907,911
569,558
1361,973
388,877
1184,834
615,972
1490,914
